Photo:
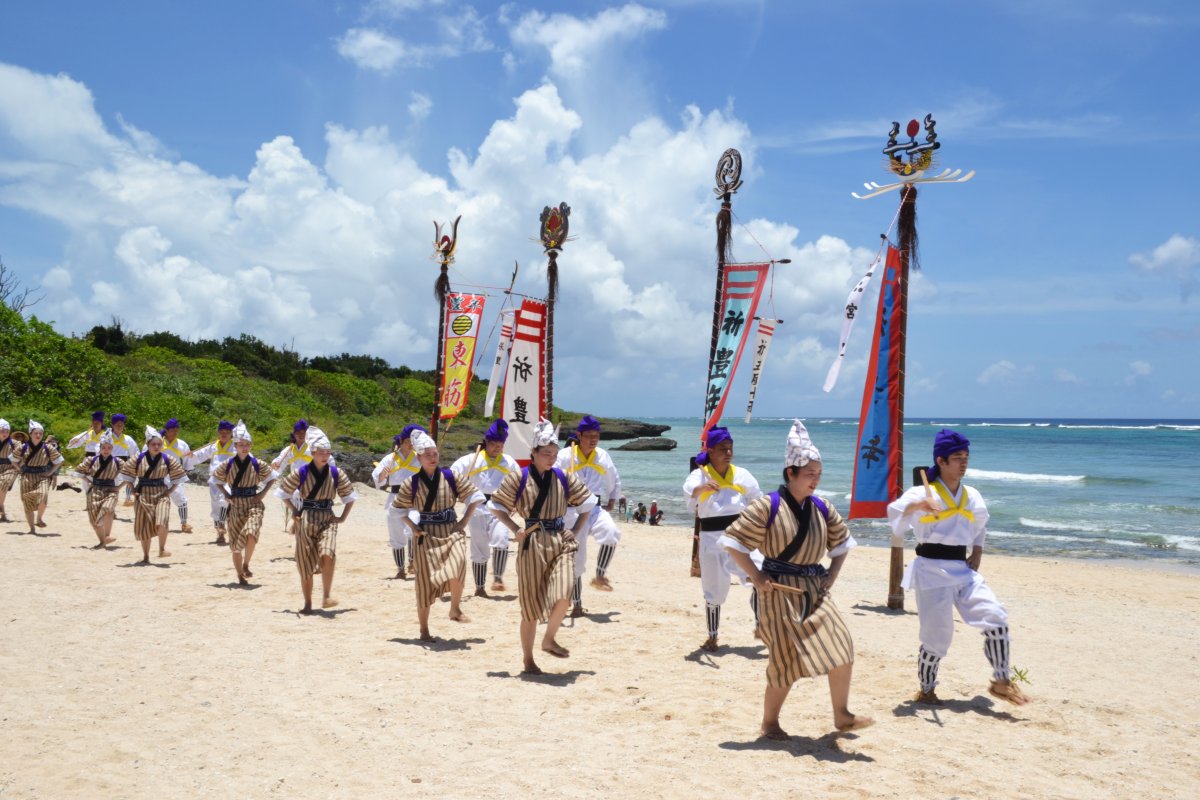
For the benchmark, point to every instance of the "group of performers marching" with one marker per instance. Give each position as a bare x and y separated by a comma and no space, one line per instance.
775,542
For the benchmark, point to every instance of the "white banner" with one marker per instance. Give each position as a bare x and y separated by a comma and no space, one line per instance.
849,313
766,329
502,348
524,398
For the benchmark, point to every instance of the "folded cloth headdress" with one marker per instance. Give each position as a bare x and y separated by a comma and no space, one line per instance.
35,426
225,425
945,444
97,416
497,431
422,441
319,442
545,433
4,426
152,434
106,438
240,432
800,448
588,423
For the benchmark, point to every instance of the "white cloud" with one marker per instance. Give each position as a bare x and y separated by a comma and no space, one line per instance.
452,34
1138,371
374,50
1066,376
1178,257
419,106
1000,372
334,254
573,43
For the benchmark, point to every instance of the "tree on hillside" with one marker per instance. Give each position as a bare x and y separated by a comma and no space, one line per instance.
12,294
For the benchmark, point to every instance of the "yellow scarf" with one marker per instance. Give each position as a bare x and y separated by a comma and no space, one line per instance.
952,508
722,482
578,461
497,464
400,462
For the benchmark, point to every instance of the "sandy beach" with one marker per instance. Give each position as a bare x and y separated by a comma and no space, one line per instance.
171,681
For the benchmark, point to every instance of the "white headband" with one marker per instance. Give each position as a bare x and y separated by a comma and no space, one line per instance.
422,441
240,433
800,448
545,433
36,426
152,434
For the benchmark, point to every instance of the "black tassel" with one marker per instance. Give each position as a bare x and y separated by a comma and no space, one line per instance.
724,238
906,227
442,287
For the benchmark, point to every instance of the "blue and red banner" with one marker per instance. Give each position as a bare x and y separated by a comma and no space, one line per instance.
879,455
740,292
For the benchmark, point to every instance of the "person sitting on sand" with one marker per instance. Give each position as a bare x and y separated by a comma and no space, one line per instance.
804,633
99,472
655,515
541,493
310,491
152,473
438,543
943,576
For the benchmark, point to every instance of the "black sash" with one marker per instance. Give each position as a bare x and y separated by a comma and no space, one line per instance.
717,523
243,491
942,552
310,503
803,514
104,483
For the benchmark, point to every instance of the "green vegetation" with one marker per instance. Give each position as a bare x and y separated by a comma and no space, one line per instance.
59,380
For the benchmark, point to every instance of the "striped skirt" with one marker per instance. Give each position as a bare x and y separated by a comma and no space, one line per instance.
316,536
35,490
804,634
101,500
8,476
441,557
152,509
245,519
545,573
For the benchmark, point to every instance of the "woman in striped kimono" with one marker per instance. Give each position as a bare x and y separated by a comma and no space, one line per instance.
39,464
99,472
243,475
541,494
804,633
8,470
439,544
152,472
310,491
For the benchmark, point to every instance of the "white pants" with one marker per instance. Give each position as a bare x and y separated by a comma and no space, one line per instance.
177,495
601,527
399,534
716,568
486,532
217,500
976,604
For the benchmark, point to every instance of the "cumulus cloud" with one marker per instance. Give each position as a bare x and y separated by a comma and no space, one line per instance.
1138,371
1000,372
573,43
1178,257
333,253
451,34
419,106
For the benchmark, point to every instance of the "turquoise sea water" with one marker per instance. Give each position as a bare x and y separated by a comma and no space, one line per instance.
1055,487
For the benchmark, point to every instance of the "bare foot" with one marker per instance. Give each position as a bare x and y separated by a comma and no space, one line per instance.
246,571
774,733
710,645
399,575
163,554
41,524
242,580
929,698
99,546
185,528
109,539
459,616
328,602
855,722
498,586
758,632
479,592
128,503
307,609
600,582
577,612
555,649
412,568
1008,692
532,669
145,560
220,540
426,637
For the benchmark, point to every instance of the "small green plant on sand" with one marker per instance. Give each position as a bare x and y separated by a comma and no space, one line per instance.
1020,675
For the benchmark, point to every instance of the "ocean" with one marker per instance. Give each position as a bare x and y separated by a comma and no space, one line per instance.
1060,488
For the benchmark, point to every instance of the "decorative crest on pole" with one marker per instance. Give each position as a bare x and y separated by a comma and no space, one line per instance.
443,245
729,173
911,160
555,226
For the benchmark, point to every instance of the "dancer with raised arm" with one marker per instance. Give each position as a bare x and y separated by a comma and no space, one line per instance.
218,452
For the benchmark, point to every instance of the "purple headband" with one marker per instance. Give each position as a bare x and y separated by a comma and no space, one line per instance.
408,431
171,423
714,437
397,439
946,444
118,418
588,423
302,425
97,416
497,431
224,425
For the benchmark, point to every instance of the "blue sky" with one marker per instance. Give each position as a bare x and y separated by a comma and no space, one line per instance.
273,168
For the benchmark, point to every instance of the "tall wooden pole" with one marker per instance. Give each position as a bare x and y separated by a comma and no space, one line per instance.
555,227
907,235
443,252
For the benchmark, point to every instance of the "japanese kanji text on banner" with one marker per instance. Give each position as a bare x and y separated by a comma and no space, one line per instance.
739,300
766,329
463,314
524,398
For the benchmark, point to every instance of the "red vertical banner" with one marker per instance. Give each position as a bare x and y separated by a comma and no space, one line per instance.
740,293
524,400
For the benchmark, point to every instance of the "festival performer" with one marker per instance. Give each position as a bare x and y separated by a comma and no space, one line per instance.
486,468
39,460
89,440
944,576
99,472
717,491
804,632
293,457
439,546
310,491
219,452
178,448
393,470
152,472
8,470
594,467
248,481
542,493
124,448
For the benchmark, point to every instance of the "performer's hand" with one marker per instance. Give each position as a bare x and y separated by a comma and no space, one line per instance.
762,583
975,557
827,582
928,505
